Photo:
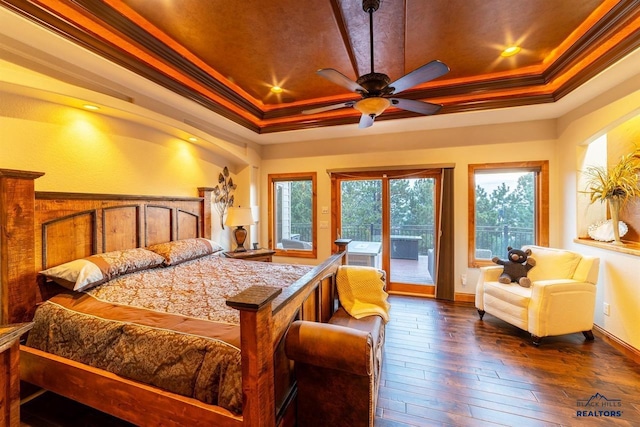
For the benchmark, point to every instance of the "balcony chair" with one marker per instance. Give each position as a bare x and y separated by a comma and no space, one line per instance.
561,299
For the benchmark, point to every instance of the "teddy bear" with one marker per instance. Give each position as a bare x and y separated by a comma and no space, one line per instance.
516,266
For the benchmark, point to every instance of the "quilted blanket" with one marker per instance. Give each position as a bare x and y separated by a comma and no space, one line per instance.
168,327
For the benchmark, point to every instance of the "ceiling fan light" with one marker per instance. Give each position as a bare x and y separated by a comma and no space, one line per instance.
374,105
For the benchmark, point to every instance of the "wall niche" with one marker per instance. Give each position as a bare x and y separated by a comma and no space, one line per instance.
605,150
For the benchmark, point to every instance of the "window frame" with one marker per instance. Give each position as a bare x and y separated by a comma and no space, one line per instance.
293,176
541,191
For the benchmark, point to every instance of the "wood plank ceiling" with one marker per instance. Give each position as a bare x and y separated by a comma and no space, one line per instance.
226,55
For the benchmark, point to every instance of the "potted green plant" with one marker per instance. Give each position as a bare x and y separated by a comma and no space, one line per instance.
616,186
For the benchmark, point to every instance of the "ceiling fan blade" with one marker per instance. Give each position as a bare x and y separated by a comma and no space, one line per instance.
366,121
421,107
341,80
427,72
329,108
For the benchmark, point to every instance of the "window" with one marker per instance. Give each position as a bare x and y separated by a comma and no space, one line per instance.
508,206
292,214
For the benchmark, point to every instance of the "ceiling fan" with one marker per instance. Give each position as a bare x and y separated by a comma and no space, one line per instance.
376,89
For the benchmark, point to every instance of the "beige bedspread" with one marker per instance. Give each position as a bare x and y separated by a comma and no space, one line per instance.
168,327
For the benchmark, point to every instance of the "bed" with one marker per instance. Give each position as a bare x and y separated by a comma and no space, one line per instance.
46,229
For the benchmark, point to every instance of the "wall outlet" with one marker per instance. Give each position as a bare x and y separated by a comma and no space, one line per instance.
463,280
606,309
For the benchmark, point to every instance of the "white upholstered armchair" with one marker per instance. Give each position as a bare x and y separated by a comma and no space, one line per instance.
561,299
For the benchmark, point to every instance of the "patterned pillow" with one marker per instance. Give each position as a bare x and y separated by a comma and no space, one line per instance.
81,274
179,251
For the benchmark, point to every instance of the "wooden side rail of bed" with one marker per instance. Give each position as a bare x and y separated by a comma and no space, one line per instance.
44,229
265,316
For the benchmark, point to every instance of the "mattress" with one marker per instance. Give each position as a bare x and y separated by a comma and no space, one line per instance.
168,327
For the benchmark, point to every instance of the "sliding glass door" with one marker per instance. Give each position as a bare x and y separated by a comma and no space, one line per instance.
361,220
391,218
412,230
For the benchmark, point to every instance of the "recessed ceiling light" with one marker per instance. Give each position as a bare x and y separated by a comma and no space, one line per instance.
510,51
276,89
193,139
90,107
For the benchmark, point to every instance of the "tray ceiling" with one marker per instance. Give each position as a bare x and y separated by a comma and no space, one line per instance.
226,55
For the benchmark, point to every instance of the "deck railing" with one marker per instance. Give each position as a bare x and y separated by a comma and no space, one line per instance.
497,238
490,238
373,233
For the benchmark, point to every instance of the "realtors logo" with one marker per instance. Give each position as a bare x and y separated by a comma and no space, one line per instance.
599,406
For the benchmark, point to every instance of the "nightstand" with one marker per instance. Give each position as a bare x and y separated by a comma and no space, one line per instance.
264,255
10,373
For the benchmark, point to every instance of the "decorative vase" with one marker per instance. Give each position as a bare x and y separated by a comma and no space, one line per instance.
614,210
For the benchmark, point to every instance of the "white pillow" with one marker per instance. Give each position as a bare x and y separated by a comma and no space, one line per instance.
552,263
81,274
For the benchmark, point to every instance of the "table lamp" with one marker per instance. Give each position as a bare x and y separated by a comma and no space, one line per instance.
239,217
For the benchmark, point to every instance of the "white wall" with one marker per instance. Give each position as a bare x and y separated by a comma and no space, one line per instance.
86,152
618,282
498,143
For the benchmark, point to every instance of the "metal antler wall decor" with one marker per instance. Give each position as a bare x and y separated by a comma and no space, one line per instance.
222,192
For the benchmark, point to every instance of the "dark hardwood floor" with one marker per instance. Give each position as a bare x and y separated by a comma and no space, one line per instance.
444,367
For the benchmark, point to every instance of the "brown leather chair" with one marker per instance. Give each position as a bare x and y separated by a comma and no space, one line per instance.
337,367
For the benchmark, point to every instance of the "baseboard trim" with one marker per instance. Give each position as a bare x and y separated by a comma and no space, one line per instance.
412,289
411,294
458,297
627,349
465,297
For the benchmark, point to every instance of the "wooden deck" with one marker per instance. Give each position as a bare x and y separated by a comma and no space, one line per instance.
411,271
444,367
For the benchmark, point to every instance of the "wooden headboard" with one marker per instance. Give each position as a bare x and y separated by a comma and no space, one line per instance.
44,229
71,226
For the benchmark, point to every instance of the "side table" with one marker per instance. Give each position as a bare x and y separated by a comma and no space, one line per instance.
10,373
264,255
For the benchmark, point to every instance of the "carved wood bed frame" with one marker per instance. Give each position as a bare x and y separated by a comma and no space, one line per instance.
43,229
